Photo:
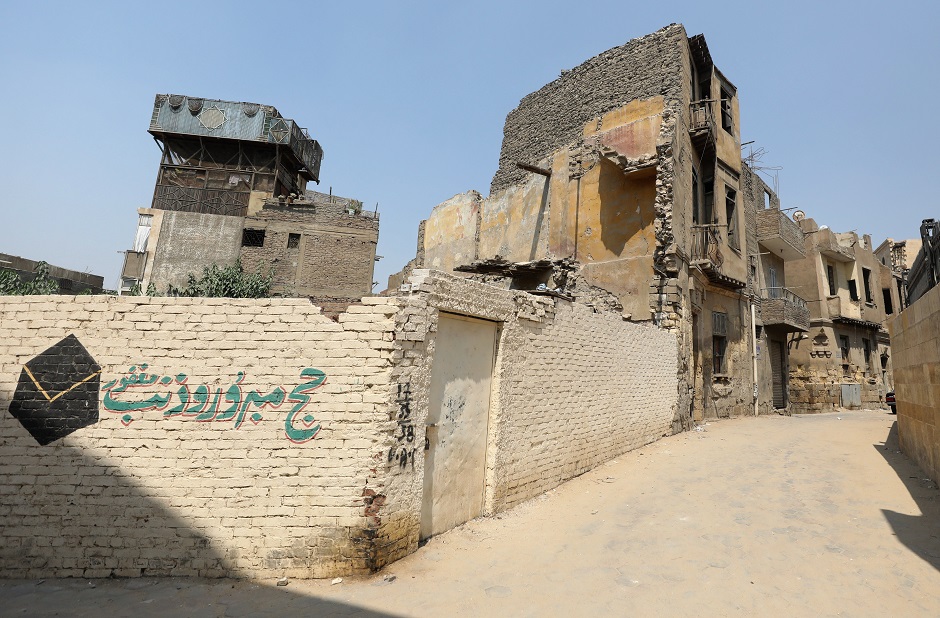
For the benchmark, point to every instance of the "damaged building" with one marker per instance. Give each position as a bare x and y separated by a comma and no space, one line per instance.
845,358
626,173
232,183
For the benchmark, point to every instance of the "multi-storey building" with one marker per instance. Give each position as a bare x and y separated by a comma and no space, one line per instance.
774,240
627,171
845,359
232,183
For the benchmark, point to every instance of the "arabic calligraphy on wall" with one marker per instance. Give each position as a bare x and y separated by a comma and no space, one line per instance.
206,404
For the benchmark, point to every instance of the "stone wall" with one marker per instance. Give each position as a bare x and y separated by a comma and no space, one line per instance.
915,344
555,114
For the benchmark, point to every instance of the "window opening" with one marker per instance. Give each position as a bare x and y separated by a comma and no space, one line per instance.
252,237
831,274
844,347
293,241
766,199
866,345
866,281
853,290
695,200
731,199
719,341
889,306
726,118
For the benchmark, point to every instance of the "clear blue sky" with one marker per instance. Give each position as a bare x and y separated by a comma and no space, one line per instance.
408,101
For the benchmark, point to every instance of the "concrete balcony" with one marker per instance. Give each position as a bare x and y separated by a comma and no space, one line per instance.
784,310
780,235
828,245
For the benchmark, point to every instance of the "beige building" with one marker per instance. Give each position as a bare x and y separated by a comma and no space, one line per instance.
620,184
845,358
774,241
232,183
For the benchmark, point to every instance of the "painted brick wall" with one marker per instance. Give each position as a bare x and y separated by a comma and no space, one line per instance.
152,488
915,346
572,388
104,471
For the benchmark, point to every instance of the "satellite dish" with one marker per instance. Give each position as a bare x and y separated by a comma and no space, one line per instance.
799,215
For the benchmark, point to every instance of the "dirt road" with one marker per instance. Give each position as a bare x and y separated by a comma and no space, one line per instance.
773,516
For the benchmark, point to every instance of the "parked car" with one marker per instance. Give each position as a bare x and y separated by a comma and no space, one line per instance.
889,399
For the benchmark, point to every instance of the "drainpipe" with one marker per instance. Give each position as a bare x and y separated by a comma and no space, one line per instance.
754,351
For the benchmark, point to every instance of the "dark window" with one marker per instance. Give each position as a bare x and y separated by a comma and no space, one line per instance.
889,306
727,122
719,341
695,200
866,344
293,241
844,347
853,289
866,281
831,273
252,238
708,201
731,200
719,344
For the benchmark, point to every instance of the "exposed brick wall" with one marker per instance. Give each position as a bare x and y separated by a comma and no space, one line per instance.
555,114
334,256
152,492
915,344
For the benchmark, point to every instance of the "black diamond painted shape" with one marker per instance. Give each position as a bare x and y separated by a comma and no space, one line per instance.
57,392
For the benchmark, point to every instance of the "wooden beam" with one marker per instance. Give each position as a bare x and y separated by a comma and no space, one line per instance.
533,169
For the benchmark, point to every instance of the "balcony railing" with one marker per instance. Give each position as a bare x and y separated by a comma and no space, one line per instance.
702,117
706,246
785,294
782,308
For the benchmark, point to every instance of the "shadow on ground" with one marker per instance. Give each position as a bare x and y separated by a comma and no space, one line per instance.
66,492
919,533
167,596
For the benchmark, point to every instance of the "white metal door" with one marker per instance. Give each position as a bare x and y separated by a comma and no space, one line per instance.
458,413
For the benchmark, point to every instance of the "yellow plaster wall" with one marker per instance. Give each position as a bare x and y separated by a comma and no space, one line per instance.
450,232
514,222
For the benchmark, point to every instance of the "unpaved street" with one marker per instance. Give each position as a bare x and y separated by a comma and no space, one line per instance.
774,516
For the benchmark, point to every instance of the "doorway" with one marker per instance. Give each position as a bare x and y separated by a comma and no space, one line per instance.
458,419
778,374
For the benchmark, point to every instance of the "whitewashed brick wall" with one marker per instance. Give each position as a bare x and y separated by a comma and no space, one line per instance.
150,494
155,489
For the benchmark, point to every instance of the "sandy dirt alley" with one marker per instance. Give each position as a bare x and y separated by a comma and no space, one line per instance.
771,516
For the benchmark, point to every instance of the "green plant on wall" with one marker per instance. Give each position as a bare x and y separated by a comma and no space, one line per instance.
226,282
11,284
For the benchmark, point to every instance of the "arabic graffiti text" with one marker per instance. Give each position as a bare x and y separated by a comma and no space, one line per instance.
204,403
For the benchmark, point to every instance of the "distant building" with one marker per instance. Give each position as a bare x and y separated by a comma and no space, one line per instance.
232,183
70,281
845,358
